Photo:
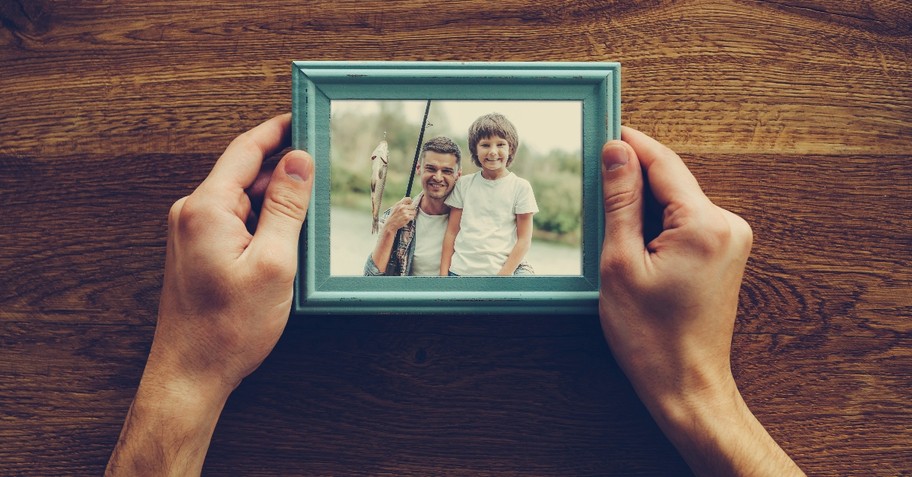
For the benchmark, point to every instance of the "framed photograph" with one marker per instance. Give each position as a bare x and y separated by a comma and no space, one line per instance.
501,165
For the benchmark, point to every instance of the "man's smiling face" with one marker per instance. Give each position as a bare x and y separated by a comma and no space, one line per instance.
438,174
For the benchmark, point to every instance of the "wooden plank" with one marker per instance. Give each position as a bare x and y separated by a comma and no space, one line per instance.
410,396
794,114
748,78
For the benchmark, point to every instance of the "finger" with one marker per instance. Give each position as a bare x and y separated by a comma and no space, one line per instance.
401,205
282,214
255,193
742,236
622,187
257,189
670,180
239,164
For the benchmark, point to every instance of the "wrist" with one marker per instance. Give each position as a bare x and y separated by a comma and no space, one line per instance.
168,428
679,414
184,368
190,406
717,434
178,392
167,376
389,232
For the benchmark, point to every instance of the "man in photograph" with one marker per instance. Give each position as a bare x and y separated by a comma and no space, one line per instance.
419,222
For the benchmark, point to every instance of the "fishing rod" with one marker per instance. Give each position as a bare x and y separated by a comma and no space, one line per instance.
408,191
427,109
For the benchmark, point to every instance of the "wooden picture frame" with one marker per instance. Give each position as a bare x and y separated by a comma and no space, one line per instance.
315,85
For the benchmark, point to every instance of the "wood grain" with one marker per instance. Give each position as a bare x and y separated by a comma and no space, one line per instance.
794,114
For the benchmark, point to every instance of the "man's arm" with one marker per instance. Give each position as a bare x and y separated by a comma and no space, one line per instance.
168,427
668,308
225,301
522,246
401,214
449,240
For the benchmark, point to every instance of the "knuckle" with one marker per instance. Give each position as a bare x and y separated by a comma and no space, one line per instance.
193,215
620,200
723,232
273,266
609,265
718,231
245,142
614,264
742,233
286,202
667,151
714,236
174,212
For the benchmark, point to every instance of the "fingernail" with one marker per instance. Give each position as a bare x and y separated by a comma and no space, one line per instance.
614,156
298,167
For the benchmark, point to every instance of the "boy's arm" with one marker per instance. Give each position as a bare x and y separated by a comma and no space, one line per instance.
523,244
168,427
449,240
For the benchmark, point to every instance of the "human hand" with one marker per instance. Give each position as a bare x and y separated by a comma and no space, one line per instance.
668,307
401,214
227,293
225,301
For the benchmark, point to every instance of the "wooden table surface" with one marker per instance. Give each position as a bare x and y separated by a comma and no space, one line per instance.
796,115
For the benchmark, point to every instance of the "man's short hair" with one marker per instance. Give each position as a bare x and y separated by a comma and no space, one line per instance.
493,124
442,145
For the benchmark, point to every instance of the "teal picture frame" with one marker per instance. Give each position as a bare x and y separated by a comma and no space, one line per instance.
315,84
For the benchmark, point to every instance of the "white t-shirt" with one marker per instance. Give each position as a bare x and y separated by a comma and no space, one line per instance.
487,232
429,232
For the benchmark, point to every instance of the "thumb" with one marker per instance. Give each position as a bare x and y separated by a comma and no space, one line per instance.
284,208
622,186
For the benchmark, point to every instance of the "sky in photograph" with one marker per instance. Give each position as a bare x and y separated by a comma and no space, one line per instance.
542,125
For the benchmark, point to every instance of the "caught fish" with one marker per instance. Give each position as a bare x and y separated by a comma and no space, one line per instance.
379,162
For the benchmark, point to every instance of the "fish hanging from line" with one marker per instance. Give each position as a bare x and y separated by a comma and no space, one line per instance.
379,163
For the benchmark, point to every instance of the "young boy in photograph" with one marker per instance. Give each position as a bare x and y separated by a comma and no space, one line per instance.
489,230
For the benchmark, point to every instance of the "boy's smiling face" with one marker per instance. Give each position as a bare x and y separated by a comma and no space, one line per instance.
493,152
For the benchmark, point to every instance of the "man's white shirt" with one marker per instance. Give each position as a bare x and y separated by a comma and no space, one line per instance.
429,231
